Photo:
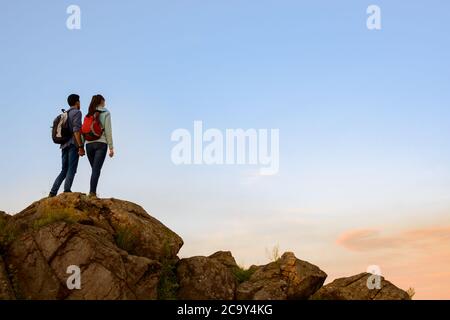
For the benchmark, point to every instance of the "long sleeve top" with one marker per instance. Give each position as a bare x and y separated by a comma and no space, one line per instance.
74,122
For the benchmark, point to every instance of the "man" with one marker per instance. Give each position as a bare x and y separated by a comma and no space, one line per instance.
72,149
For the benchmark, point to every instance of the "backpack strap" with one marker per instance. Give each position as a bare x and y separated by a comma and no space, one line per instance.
67,111
97,116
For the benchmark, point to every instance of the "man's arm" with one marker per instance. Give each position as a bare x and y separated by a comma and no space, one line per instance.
78,140
76,124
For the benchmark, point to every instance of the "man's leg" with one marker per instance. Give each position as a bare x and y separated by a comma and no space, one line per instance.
73,165
63,174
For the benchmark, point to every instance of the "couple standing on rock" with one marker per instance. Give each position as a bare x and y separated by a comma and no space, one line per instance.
72,135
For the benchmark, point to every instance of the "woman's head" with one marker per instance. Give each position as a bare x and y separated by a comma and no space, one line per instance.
97,101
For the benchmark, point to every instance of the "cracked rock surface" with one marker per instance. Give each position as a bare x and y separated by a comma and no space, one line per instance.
357,288
204,278
286,278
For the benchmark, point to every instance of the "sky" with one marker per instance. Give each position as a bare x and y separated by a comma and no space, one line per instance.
363,119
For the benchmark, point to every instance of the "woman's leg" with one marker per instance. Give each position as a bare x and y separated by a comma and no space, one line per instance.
90,152
97,164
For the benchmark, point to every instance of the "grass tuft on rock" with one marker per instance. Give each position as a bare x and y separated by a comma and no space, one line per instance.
168,282
241,274
53,216
126,239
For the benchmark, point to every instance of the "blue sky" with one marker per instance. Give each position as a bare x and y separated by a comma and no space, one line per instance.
363,115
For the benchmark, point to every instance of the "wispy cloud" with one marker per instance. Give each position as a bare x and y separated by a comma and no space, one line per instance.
372,239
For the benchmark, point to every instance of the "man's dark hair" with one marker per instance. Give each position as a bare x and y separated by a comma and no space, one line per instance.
72,99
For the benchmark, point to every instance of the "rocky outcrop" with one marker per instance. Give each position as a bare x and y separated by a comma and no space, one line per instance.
116,245
205,278
360,287
225,258
75,247
129,223
286,278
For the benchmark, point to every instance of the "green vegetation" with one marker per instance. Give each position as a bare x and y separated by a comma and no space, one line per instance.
241,274
52,216
126,239
168,283
9,232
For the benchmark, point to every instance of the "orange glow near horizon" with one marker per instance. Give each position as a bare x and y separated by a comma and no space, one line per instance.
418,258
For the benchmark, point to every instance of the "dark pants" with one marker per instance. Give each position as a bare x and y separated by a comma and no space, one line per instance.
69,156
96,153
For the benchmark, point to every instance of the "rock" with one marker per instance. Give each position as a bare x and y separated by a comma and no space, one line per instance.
137,231
4,219
6,290
262,289
286,278
356,288
121,252
205,278
38,261
253,268
225,258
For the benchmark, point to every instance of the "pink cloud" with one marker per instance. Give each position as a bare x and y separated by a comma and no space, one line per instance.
372,239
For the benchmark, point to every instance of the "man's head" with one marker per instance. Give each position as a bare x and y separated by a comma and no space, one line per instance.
74,101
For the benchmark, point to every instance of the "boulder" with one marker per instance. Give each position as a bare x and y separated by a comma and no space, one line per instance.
38,262
136,231
205,278
117,246
286,278
357,288
225,258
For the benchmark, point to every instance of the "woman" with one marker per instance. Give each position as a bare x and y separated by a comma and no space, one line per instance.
96,150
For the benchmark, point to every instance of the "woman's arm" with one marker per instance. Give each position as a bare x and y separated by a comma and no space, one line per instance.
108,134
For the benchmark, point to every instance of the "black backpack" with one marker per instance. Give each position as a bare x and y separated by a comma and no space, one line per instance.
61,132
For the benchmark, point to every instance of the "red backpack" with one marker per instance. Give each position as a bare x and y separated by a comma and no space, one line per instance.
92,129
